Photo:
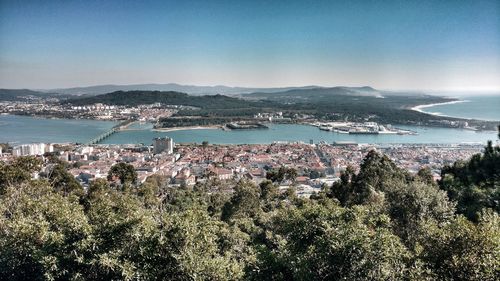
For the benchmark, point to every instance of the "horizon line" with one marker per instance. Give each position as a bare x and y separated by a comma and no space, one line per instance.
457,90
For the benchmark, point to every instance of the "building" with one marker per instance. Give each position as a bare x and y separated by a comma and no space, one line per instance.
223,174
32,149
163,145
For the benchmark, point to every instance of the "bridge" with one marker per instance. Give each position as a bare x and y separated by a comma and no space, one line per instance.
102,136
122,126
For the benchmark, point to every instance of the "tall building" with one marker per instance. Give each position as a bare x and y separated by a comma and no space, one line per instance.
165,144
32,149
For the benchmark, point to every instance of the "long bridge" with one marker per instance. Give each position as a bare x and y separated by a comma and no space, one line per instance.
103,136
108,133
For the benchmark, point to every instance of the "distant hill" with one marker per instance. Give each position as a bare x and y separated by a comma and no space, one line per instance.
189,89
316,93
23,94
133,98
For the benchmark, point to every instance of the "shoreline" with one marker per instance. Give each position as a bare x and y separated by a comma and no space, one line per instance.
419,108
171,129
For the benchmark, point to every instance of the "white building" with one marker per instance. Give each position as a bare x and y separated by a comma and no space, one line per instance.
163,145
32,149
85,150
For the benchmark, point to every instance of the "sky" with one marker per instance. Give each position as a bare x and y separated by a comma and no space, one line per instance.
412,45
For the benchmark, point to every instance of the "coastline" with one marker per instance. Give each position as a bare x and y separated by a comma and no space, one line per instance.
171,129
422,106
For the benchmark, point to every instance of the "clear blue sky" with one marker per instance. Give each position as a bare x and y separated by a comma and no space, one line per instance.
439,45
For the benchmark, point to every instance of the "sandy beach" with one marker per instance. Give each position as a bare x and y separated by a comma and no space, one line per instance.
420,107
171,129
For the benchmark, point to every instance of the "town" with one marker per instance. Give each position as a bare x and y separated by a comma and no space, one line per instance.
188,164
50,108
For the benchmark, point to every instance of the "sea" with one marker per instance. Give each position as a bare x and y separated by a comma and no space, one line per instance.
26,129
471,107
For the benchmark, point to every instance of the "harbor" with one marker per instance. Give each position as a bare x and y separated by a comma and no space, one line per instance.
366,128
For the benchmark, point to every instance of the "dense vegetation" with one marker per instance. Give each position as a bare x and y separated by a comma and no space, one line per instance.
134,98
381,223
474,184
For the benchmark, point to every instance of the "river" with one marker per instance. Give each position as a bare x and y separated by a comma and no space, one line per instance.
24,129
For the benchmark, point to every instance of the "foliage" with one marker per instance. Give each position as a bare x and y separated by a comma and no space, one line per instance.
134,98
43,234
20,170
381,223
474,184
281,174
378,174
462,250
63,181
328,242
124,172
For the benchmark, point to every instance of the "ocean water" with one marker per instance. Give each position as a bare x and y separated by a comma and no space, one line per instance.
473,107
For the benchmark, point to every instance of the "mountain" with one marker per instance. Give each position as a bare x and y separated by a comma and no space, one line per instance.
134,98
189,89
23,94
317,93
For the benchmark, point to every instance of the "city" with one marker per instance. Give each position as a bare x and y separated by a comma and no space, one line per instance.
188,164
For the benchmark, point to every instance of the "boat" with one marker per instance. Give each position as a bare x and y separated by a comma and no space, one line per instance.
325,128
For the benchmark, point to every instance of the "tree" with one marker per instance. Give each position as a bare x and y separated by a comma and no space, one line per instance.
375,171
281,174
269,195
268,190
63,181
124,172
410,205
474,184
19,171
425,175
328,242
377,175
343,189
462,250
43,235
5,146
316,174
244,202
